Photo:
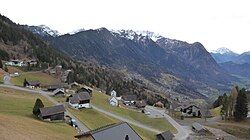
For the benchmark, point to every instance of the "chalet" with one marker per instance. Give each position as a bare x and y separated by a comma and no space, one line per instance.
52,113
31,84
190,110
17,63
198,128
129,99
32,62
74,85
80,100
167,135
140,104
119,131
159,104
113,101
60,92
85,89
53,87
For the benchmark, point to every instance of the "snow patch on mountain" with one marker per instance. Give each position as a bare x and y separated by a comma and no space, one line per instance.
46,30
223,50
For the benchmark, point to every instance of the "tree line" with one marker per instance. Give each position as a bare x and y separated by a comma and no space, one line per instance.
233,106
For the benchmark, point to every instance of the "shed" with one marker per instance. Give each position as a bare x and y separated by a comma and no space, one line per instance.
140,104
59,92
159,104
52,113
167,135
198,128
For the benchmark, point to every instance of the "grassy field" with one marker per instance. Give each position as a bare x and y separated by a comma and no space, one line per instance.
100,100
17,121
42,77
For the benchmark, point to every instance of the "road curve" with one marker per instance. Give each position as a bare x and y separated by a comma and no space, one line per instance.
182,133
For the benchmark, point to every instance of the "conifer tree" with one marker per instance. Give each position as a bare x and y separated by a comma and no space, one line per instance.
241,108
37,106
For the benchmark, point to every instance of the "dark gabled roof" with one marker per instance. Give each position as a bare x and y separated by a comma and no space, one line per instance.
197,126
140,104
33,83
129,97
47,111
81,96
167,135
112,132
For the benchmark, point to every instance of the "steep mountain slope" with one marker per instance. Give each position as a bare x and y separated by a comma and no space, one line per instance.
237,69
22,44
140,54
222,55
243,58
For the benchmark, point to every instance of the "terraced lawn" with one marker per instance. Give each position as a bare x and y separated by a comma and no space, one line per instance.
17,121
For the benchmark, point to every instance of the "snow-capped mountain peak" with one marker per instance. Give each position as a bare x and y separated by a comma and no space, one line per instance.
222,50
130,34
46,29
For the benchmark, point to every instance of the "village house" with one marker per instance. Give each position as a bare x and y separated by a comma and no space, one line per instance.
159,104
113,101
32,62
16,63
140,104
167,135
52,113
85,89
80,100
60,92
190,110
198,128
53,87
31,84
74,85
129,99
119,131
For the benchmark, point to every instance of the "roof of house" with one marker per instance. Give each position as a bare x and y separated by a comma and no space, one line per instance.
197,126
81,96
167,135
59,90
140,104
112,132
47,111
129,97
33,83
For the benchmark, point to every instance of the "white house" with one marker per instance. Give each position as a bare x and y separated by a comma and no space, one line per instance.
113,93
113,101
80,100
16,63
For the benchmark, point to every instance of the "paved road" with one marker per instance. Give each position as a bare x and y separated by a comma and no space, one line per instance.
138,124
182,133
80,125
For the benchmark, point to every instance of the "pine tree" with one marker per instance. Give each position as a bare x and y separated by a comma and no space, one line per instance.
241,108
37,106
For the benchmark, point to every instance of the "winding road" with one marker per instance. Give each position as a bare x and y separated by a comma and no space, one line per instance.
182,133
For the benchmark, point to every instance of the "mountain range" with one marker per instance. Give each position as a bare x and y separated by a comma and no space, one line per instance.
154,57
167,65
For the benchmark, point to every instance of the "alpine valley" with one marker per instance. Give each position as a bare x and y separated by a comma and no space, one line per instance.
169,65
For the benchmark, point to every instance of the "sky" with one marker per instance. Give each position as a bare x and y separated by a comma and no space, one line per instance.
214,23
